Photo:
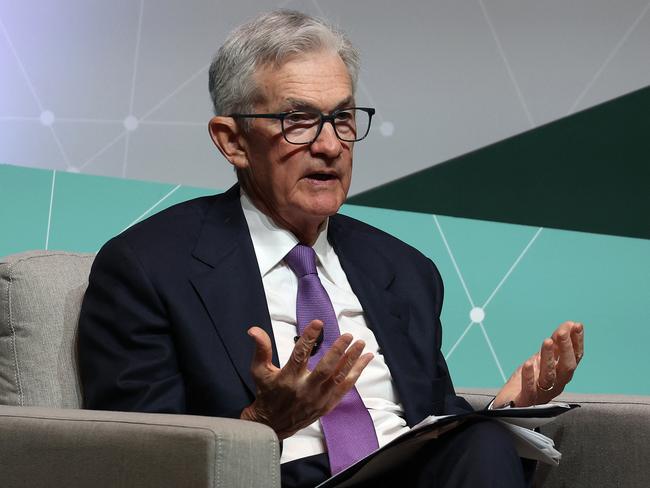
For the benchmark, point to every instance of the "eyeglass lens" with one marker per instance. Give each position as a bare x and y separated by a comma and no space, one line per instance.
302,127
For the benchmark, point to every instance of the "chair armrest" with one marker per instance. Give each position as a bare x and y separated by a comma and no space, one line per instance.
603,443
86,448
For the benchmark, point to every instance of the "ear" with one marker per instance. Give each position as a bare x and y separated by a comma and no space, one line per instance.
229,138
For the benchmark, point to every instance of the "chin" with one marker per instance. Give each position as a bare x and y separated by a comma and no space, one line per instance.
324,206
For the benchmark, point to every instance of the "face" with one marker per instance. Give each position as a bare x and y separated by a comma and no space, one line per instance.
299,185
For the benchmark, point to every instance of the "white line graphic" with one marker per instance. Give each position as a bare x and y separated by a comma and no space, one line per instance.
30,85
494,354
512,268
511,74
49,212
453,260
458,341
146,212
608,60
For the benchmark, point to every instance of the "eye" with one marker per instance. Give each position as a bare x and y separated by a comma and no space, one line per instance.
345,115
296,118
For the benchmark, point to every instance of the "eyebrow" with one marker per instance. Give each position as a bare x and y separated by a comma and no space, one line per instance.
296,104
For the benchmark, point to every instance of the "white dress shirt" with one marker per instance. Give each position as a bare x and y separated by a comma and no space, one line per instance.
375,385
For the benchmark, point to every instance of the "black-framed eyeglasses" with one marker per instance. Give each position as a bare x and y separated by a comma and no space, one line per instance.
304,126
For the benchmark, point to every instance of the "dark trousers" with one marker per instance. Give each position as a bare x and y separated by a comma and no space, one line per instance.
479,454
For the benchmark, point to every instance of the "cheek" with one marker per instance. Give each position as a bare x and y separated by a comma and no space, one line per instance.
272,172
347,178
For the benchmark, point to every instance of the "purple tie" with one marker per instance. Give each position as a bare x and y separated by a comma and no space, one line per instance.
349,431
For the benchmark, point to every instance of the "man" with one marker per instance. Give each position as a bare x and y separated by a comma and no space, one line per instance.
170,301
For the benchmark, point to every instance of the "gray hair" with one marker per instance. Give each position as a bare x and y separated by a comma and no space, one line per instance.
270,38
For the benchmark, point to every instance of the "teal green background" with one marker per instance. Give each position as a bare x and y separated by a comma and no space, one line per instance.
601,280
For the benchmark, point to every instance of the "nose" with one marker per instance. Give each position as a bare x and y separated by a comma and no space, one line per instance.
327,143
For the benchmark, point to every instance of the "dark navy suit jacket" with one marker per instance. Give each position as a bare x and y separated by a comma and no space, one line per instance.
164,320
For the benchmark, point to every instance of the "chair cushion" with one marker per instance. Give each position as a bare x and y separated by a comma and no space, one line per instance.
40,299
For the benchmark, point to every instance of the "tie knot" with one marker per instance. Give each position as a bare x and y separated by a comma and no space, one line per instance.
302,260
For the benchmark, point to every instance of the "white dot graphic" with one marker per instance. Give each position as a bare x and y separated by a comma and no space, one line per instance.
387,129
131,123
477,314
47,118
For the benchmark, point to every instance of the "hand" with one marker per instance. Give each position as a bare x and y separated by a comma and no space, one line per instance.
293,397
545,374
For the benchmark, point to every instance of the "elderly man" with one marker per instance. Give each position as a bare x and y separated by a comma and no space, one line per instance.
165,319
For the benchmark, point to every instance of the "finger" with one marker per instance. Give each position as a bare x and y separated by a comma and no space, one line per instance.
261,364
347,363
330,360
297,362
528,393
547,374
358,367
578,341
567,360
340,383
563,328
537,360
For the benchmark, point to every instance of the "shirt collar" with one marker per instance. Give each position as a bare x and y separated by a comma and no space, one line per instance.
272,243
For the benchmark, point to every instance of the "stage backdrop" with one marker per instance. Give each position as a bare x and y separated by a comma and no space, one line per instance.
510,145
506,285
119,87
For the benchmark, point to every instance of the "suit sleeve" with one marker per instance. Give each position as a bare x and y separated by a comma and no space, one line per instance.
453,404
127,358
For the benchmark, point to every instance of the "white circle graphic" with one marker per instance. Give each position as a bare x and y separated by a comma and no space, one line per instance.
131,123
477,314
47,118
387,129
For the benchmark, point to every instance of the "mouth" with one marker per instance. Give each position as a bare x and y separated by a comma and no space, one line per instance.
321,176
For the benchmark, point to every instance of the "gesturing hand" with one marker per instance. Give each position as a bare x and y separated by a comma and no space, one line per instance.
293,397
545,374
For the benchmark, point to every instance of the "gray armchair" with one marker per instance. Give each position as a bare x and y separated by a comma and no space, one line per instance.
605,442
47,440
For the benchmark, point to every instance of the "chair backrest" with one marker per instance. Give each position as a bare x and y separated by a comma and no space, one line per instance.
40,300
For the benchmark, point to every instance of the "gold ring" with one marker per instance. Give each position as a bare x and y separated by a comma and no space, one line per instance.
546,389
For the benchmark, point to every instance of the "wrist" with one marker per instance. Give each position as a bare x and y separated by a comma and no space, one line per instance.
495,406
248,413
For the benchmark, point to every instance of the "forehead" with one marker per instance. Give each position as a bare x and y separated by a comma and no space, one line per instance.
318,80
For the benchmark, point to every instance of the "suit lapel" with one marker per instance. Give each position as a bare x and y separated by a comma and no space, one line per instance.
229,282
371,275
230,286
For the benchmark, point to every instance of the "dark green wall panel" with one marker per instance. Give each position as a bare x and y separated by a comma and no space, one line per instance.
588,172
